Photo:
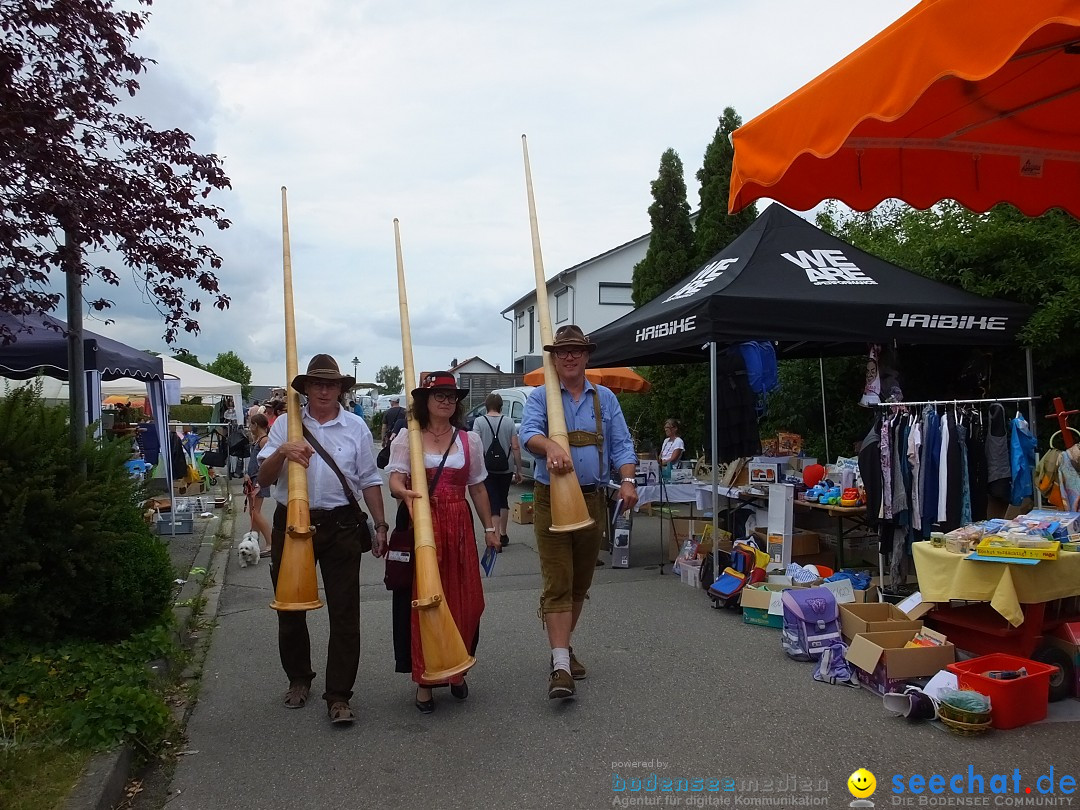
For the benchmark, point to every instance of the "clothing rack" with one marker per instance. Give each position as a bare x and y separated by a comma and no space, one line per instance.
954,401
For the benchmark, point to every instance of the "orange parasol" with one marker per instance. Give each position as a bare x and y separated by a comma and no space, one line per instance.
120,399
620,380
977,102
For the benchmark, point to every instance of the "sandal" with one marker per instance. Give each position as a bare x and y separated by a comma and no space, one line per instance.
459,690
296,697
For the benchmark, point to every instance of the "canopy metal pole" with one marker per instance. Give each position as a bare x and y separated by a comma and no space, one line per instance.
714,390
1031,391
1032,422
824,415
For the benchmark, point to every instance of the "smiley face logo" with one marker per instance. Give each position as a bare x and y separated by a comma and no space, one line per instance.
862,784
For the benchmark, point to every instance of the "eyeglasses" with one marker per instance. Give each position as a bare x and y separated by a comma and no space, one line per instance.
444,396
569,354
323,384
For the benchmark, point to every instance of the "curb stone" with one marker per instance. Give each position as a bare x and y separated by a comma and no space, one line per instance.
101,786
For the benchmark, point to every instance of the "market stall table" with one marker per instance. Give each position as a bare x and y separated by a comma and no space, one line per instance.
854,516
1017,615
848,518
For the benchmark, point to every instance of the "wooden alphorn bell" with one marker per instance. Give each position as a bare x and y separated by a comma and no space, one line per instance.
569,512
297,584
445,654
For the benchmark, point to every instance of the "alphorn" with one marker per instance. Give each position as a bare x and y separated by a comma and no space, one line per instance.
297,585
445,655
568,510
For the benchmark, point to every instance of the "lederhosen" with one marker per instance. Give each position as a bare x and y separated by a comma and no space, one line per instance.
581,564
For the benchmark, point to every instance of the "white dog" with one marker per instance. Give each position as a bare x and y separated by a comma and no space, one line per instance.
248,550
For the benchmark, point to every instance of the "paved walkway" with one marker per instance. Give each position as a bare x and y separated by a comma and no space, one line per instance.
675,689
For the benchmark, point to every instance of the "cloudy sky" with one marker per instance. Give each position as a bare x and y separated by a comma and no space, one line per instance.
369,110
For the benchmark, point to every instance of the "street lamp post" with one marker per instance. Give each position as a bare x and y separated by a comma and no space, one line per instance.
355,363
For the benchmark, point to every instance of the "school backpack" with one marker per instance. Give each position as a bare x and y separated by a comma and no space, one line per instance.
833,667
811,622
495,457
743,570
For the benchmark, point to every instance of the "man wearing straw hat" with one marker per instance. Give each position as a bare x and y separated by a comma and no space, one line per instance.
340,537
599,440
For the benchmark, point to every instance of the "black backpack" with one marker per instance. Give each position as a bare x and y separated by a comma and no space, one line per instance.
495,457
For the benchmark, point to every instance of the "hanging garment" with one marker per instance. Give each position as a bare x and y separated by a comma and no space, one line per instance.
965,476
900,474
872,389
870,471
943,470
976,445
954,480
737,433
886,469
998,471
1069,481
1021,460
914,448
931,452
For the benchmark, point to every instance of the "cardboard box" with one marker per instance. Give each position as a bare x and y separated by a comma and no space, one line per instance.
690,572
869,595
873,617
521,512
620,542
882,663
767,472
802,543
761,605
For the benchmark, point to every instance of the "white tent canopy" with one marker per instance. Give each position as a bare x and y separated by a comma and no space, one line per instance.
194,382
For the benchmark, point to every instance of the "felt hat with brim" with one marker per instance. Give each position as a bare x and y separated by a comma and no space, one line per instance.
570,337
438,381
322,368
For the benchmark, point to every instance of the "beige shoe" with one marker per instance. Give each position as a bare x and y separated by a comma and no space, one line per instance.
577,669
340,712
296,697
560,685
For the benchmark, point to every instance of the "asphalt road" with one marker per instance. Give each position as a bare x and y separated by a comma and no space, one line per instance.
675,689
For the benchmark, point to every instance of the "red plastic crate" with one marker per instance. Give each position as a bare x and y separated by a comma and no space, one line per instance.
1012,703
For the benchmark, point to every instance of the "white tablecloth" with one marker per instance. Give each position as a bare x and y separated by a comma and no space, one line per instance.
673,493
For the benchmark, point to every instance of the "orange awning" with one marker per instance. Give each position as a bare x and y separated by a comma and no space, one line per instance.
620,380
973,101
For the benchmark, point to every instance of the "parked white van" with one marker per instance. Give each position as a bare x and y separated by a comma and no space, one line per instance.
383,402
513,407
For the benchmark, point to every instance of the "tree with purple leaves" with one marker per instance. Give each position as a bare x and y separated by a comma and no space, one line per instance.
86,188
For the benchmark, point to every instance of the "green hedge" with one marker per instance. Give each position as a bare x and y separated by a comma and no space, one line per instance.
77,559
188,413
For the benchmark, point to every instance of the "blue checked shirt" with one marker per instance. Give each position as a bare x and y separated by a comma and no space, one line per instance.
618,444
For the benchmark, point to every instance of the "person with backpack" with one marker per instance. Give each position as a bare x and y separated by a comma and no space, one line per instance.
499,437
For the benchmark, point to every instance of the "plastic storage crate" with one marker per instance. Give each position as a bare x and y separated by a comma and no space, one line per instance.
1015,703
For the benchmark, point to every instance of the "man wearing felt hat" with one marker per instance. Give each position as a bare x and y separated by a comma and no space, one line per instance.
341,536
599,441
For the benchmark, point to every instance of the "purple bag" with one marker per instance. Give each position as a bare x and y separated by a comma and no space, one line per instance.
811,622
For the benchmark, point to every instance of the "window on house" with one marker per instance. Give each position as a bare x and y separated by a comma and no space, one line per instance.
617,293
562,305
521,319
532,331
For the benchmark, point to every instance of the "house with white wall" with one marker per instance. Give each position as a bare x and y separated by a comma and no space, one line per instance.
591,294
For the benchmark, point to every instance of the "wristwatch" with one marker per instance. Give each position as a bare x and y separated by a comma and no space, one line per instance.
630,481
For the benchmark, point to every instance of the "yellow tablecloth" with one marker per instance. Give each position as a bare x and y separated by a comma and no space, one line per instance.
944,576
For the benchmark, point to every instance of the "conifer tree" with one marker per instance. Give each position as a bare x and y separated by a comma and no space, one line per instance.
671,246
715,228
668,260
